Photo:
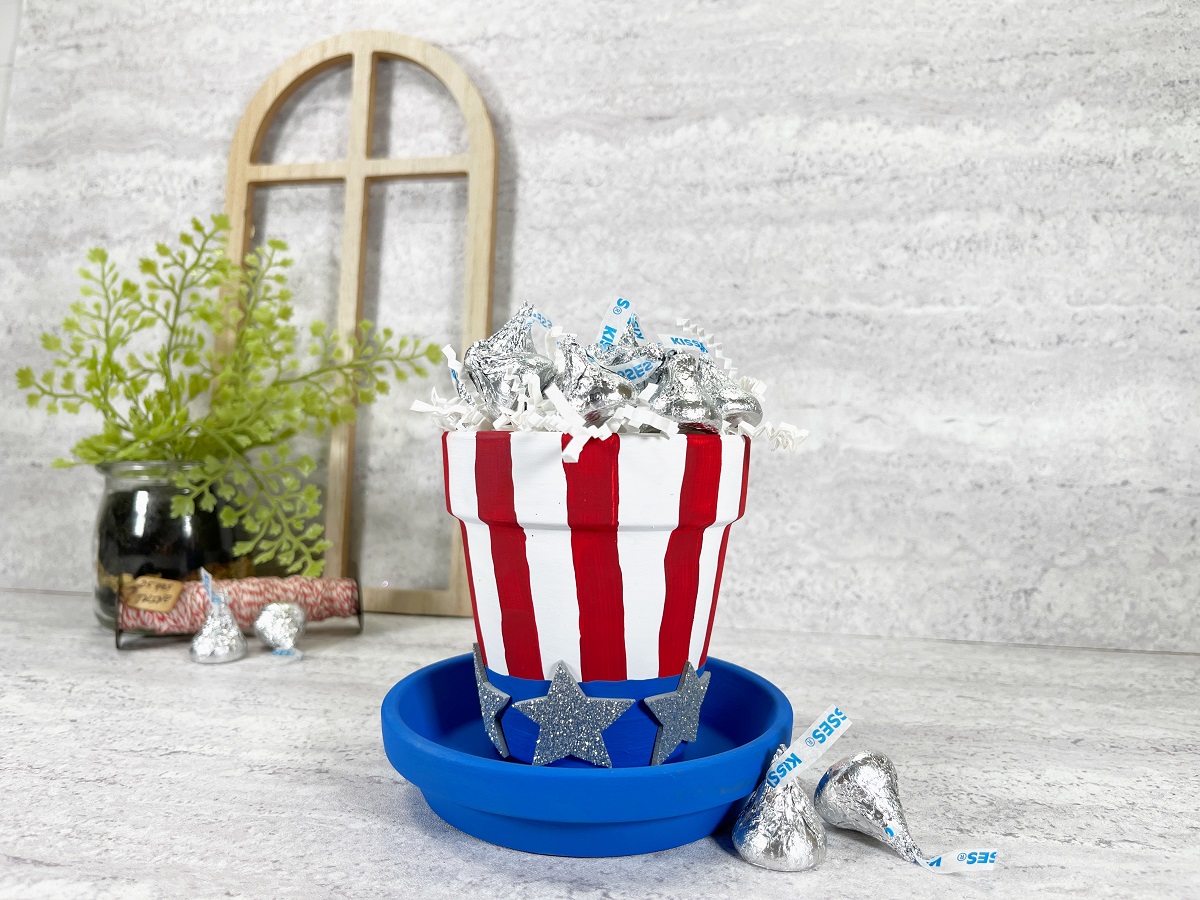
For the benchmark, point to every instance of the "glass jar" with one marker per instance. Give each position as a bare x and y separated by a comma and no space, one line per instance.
136,535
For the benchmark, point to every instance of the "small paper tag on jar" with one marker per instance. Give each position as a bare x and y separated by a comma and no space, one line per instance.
149,592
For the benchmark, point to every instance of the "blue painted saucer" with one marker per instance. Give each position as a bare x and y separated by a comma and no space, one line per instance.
434,737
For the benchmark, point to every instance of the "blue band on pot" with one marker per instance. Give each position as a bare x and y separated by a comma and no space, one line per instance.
629,740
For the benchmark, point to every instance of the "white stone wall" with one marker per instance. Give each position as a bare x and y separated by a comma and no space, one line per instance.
958,240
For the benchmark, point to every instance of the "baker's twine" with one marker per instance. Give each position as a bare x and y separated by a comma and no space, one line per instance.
321,598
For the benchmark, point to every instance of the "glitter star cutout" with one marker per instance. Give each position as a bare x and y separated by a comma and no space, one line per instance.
678,713
570,722
492,701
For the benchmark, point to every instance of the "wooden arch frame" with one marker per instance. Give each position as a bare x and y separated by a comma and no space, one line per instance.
362,49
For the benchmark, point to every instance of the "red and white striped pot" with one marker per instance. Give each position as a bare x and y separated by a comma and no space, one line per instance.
611,564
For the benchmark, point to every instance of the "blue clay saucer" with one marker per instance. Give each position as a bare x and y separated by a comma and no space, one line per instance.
434,737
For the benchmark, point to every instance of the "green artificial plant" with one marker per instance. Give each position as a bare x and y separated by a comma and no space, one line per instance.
200,362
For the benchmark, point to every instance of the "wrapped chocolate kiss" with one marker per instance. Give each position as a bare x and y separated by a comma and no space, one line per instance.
734,404
778,827
677,394
629,355
593,391
862,793
513,338
512,381
279,625
491,363
219,639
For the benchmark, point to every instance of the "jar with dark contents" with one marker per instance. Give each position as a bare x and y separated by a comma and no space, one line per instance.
137,536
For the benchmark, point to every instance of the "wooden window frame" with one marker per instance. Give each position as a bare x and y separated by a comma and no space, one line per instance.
363,50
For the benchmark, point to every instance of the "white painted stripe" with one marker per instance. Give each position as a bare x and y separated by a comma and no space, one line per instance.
650,476
729,498
540,502
464,504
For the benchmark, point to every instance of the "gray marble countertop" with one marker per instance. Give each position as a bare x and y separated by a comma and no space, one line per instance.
138,774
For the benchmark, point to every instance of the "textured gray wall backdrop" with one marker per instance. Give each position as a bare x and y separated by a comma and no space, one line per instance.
958,240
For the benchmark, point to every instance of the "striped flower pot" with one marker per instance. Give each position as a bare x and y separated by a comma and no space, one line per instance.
611,564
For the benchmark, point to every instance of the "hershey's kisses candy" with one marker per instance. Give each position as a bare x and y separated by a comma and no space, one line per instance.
678,394
593,391
629,355
512,380
219,640
488,362
862,793
279,625
629,342
778,828
734,404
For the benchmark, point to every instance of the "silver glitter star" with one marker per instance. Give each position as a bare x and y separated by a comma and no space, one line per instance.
492,701
571,723
678,713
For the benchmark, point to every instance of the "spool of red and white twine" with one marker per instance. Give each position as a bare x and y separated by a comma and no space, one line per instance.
321,598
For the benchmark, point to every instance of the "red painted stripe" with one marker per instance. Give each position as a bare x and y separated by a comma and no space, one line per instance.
712,613
697,510
466,546
494,488
592,495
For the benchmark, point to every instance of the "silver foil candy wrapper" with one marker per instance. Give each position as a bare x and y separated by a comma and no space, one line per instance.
679,395
496,365
862,793
733,404
592,390
512,383
779,829
219,640
279,625
603,377
628,348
